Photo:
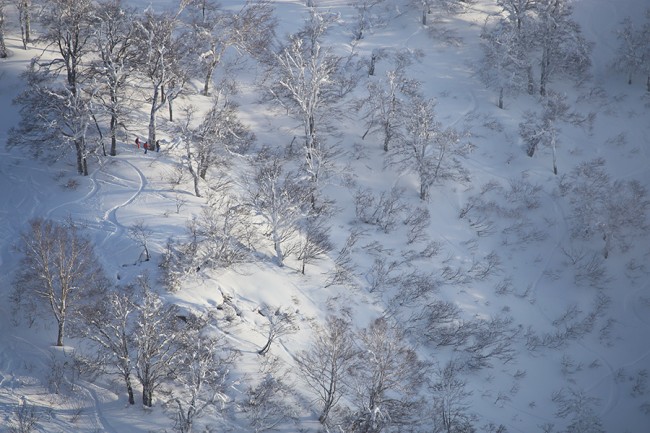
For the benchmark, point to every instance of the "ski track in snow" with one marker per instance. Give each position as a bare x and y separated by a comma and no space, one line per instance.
100,418
110,216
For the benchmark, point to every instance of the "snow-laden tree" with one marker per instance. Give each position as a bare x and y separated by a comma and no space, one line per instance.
113,40
155,336
214,30
59,272
531,33
279,197
633,55
506,64
303,77
614,211
324,365
268,404
54,120
56,111
314,240
428,149
199,389
108,324
366,18
564,51
385,106
280,322
385,381
219,135
541,128
160,62
68,28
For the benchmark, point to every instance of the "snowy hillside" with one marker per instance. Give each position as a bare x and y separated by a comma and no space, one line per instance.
325,263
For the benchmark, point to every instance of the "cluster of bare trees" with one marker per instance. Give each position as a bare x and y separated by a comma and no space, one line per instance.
533,38
372,380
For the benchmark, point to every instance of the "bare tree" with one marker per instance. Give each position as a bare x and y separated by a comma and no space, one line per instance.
633,55
449,395
506,63
303,75
280,322
212,143
114,40
25,19
59,269
543,129
155,340
268,405
108,324
27,420
367,17
215,30
386,381
324,366
386,106
160,49
579,408
280,199
140,233
314,240
53,121
564,51
615,211
429,150
204,365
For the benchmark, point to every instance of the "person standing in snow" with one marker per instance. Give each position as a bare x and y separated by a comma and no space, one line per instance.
146,147
157,145
137,142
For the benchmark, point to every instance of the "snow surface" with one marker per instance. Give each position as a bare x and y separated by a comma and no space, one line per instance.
133,187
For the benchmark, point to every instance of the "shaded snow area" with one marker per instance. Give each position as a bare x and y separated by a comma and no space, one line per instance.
322,263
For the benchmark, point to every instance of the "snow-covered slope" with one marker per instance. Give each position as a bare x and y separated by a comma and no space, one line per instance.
513,250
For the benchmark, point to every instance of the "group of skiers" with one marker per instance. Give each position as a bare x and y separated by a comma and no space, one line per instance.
146,146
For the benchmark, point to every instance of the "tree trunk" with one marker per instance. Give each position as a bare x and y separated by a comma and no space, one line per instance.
171,110
80,157
647,84
129,388
61,331
531,80
113,150
206,83
152,116
277,245
554,156
266,347
500,103
28,21
147,395
423,190
3,46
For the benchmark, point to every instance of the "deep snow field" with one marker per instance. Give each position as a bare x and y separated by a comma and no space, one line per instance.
540,279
